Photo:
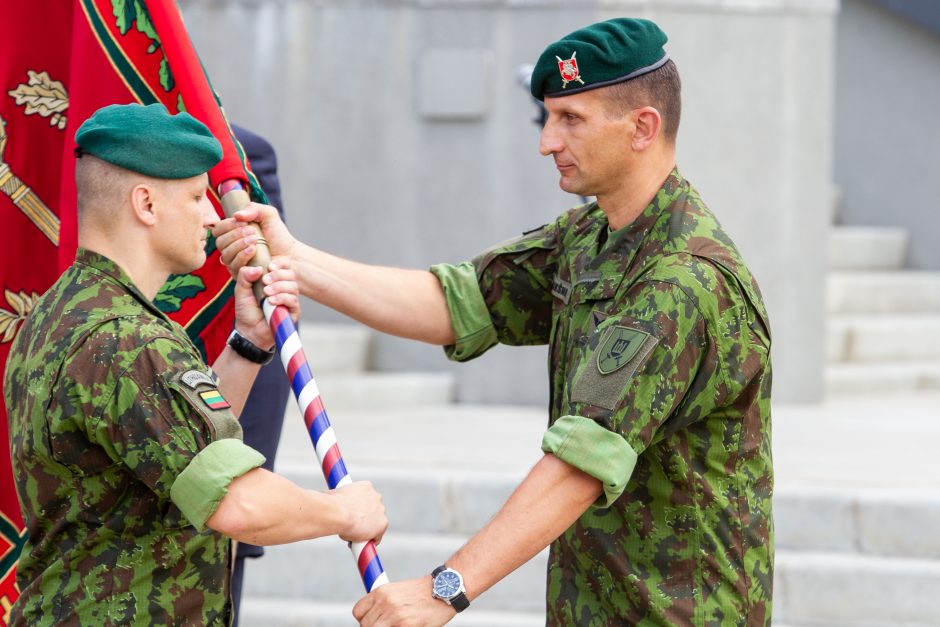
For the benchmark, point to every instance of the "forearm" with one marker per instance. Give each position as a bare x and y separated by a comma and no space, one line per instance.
264,508
236,376
550,499
406,303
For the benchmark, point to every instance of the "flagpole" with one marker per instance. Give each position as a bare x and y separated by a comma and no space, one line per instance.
319,428
230,177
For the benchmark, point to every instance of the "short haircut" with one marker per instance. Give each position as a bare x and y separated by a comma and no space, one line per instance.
660,89
103,189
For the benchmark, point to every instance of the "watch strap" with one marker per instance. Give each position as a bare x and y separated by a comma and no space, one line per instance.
460,602
247,349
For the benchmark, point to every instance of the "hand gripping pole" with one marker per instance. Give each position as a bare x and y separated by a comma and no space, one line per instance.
234,197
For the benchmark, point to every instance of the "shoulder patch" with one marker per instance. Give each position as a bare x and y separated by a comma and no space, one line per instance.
621,351
201,393
622,345
214,400
193,378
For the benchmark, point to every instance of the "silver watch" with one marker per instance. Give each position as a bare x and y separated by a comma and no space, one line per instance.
447,586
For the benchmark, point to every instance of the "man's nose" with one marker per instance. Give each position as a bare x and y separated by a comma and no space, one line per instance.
549,142
210,217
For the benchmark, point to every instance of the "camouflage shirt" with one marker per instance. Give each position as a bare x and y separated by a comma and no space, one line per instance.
122,447
660,374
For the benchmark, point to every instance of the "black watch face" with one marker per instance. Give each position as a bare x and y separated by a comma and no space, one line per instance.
447,584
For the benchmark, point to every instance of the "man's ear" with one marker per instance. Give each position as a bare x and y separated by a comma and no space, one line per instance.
649,124
143,201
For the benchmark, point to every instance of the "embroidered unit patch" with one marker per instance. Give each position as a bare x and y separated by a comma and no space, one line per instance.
621,345
214,400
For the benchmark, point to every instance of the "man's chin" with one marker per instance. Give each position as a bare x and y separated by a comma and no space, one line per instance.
196,263
570,186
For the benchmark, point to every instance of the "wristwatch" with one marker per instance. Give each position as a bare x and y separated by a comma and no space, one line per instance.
247,349
447,586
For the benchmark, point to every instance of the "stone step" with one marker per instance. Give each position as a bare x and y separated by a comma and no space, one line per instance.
881,377
422,438
316,581
427,461
426,502
899,292
260,612
845,590
334,348
323,570
883,338
867,248
887,523
807,518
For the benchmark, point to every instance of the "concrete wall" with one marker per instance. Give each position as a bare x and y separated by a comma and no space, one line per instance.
887,125
386,158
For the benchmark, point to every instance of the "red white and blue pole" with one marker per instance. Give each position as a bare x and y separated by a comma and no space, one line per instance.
234,197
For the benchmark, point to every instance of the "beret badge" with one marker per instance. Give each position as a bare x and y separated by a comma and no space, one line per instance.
569,70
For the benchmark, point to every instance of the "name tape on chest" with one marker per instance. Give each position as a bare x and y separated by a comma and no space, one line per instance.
561,289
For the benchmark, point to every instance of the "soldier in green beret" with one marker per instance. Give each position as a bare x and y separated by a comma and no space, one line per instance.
128,456
655,488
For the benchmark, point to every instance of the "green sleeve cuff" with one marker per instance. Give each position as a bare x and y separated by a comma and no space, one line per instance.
199,489
469,316
590,447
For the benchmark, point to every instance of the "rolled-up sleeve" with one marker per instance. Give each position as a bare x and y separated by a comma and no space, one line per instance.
202,485
469,317
589,447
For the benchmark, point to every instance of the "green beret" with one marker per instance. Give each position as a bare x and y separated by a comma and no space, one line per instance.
148,140
599,55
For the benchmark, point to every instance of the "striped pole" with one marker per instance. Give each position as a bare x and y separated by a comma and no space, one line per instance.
306,392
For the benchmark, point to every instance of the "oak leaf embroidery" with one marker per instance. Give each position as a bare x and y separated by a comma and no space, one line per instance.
178,288
22,303
44,96
134,12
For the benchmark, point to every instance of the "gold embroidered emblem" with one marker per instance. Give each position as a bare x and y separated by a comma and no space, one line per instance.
24,197
44,96
22,304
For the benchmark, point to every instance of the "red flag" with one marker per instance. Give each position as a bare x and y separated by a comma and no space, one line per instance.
60,61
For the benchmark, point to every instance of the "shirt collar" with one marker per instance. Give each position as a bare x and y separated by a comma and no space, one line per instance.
100,264
629,237
623,245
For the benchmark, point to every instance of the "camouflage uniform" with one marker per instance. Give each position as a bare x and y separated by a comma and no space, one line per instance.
122,448
660,374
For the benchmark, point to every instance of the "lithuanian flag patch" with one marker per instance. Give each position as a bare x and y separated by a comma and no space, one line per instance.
214,400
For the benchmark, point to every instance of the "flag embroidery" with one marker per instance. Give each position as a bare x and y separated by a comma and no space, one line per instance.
214,400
